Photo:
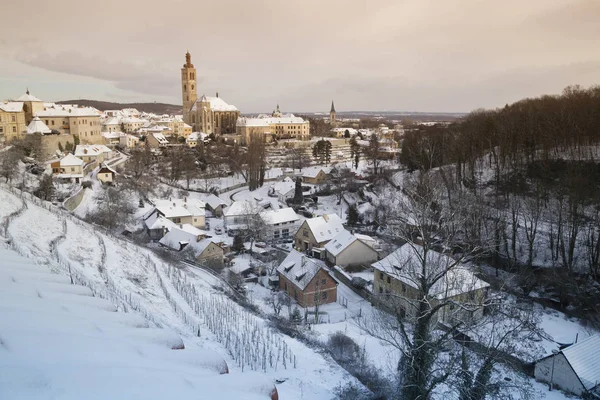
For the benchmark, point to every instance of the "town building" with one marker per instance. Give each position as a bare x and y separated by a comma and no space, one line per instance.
574,369
207,114
157,140
181,211
394,285
12,120
106,174
316,175
306,280
274,127
187,237
129,141
348,250
93,153
280,224
317,232
68,169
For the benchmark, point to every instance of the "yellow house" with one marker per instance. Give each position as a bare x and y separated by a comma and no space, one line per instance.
69,168
394,285
106,174
182,211
12,120
315,175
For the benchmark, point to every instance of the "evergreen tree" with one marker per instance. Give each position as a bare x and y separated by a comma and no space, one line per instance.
353,217
238,243
327,151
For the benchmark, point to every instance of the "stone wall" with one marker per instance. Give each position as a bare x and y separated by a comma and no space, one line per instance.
50,143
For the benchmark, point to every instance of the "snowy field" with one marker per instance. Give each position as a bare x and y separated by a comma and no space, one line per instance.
138,281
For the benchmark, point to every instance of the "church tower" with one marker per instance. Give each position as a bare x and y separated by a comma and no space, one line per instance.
332,120
189,92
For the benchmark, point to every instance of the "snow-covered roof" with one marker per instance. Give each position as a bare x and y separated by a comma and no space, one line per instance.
241,207
111,121
326,227
216,104
133,120
283,215
180,207
37,126
156,221
299,268
214,201
67,110
312,172
11,106
284,187
28,97
584,358
70,160
91,150
187,234
113,135
341,242
405,265
160,138
60,341
269,120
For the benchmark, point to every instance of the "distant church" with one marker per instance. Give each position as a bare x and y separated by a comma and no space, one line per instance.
209,114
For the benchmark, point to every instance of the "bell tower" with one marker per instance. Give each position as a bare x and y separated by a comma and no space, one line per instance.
189,90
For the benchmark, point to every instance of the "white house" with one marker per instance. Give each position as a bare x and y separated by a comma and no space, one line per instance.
281,224
182,211
575,369
283,190
237,215
69,168
346,249
93,152
317,231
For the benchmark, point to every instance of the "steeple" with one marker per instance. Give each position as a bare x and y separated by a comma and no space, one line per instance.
188,60
332,114
27,91
189,92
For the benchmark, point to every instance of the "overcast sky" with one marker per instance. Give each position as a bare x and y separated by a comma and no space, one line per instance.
404,55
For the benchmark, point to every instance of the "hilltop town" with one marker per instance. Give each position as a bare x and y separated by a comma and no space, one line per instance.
322,256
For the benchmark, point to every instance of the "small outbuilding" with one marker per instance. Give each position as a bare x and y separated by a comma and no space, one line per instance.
574,369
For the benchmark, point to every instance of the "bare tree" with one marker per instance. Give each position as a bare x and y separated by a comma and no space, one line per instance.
9,164
278,300
113,208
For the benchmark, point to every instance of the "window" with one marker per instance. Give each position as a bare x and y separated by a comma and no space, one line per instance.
285,286
14,118
195,219
177,220
52,122
72,169
192,87
184,88
316,297
323,295
14,129
323,282
389,280
451,306
305,233
381,276
380,290
403,288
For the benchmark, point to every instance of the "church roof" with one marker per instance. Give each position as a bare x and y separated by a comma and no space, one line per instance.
216,104
38,126
332,107
28,97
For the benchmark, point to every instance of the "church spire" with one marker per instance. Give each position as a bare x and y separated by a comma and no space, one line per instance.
332,107
27,91
188,60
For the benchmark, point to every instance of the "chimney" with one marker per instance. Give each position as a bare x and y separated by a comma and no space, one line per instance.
303,261
185,199
326,217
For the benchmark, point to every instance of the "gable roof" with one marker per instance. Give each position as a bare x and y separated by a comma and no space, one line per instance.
157,221
300,269
241,207
28,97
280,216
404,264
341,242
214,201
186,235
584,358
91,150
216,104
11,106
312,172
326,227
70,160
179,208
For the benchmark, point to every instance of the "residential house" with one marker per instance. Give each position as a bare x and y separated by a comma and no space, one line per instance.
112,138
574,369
283,190
347,250
239,213
157,225
316,175
156,140
69,168
12,120
280,224
206,251
93,153
128,140
215,205
316,232
106,174
397,274
182,211
306,280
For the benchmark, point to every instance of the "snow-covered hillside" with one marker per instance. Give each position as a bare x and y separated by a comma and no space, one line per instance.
171,297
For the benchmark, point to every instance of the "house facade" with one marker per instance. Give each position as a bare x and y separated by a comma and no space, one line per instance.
574,369
315,175
347,250
182,211
306,280
106,175
69,168
394,285
280,224
316,232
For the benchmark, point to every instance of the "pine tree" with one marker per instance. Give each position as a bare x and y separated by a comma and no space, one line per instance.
353,217
298,196
238,243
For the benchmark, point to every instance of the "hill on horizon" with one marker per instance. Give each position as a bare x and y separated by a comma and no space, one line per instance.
155,108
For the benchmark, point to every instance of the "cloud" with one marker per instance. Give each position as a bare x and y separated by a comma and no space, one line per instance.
141,78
